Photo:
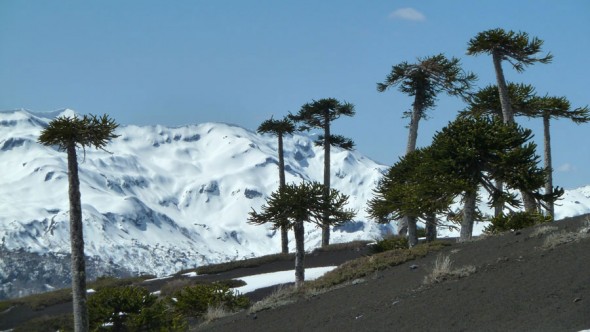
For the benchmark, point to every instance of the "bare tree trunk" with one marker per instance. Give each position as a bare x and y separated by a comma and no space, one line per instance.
284,229
77,243
326,217
468,216
403,225
507,113
499,208
548,166
430,227
412,232
299,253
529,202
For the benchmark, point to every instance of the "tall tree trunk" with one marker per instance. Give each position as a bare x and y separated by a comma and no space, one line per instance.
430,227
507,113
284,229
77,243
412,231
326,217
299,253
548,166
499,207
414,121
529,202
404,224
468,216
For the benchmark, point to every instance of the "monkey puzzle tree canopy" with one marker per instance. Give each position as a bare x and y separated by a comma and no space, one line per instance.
88,131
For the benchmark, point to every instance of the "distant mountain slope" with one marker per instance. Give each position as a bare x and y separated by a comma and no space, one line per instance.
164,198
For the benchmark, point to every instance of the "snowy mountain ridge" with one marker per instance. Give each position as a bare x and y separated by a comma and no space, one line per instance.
165,198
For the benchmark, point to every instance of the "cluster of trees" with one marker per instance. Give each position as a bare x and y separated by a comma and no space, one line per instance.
482,148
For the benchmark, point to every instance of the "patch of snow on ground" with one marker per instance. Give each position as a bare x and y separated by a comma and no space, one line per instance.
276,278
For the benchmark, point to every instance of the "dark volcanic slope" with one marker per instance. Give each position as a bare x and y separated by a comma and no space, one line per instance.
518,285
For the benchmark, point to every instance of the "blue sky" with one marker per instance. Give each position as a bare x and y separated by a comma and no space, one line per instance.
184,62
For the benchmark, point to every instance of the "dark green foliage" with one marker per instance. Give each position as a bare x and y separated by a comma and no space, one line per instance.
421,232
415,186
515,47
390,243
276,127
303,202
320,113
514,221
193,301
62,323
478,151
336,140
486,102
427,78
467,154
129,308
88,131
558,107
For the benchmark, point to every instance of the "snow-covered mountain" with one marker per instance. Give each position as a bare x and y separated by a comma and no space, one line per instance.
164,199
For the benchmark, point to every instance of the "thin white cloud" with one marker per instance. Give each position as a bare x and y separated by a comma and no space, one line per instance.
567,167
409,14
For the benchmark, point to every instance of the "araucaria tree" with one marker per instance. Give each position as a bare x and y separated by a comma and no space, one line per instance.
416,186
279,128
320,114
477,151
295,204
525,102
519,51
424,80
516,48
69,133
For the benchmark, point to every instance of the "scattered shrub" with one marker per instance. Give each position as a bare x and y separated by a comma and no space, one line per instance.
195,300
563,237
215,312
514,221
389,243
543,230
129,308
442,271
281,296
